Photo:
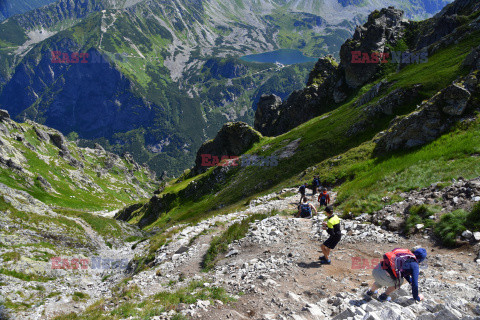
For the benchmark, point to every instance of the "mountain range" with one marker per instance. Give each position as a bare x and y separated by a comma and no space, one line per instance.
171,75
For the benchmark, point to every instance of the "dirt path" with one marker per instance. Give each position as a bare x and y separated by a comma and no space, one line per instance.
307,281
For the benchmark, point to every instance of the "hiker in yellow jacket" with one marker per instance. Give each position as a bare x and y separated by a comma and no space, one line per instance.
332,225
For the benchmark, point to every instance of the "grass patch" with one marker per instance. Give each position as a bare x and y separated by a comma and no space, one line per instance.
365,179
78,296
219,244
25,276
133,238
152,306
473,218
419,215
11,256
54,294
450,226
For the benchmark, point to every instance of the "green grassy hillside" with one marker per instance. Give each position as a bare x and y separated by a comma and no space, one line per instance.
63,175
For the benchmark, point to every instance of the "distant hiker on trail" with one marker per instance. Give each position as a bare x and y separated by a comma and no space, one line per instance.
305,209
332,225
397,265
324,198
315,184
302,190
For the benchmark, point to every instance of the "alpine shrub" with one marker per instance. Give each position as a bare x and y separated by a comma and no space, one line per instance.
450,226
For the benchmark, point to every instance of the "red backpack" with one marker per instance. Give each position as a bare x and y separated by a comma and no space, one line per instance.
395,260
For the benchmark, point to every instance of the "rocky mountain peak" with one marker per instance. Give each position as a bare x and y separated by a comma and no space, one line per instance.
382,28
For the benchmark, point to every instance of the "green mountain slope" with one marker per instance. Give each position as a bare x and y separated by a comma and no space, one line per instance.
39,160
344,156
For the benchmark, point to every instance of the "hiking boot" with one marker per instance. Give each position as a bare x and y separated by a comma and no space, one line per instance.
371,293
384,297
321,258
325,261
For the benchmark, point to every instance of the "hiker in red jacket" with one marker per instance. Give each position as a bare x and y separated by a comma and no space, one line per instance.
324,198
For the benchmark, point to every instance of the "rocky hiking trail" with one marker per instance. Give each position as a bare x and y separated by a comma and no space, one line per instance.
274,272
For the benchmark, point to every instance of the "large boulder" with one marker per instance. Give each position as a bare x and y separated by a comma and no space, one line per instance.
4,115
473,59
232,140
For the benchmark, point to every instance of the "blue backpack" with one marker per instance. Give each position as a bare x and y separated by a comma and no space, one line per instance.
306,210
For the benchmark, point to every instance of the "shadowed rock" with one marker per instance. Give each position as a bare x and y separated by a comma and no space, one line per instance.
232,140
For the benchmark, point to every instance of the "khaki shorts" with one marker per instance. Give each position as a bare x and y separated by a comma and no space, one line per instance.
383,278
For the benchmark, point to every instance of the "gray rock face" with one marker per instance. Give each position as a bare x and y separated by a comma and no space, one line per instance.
232,140
443,26
473,59
324,89
433,118
267,113
382,28
4,114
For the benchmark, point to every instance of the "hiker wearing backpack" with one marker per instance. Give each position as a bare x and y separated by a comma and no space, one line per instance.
324,198
305,209
332,225
397,265
302,190
315,184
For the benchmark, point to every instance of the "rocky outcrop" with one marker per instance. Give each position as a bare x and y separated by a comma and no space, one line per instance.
324,90
4,115
232,140
473,59
382,28
127,213
441,27
433,118
446,27
267,113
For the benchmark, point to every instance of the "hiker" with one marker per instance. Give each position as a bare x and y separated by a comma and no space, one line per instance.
315,184
324,198
397,265
302,191
305,209
332,225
